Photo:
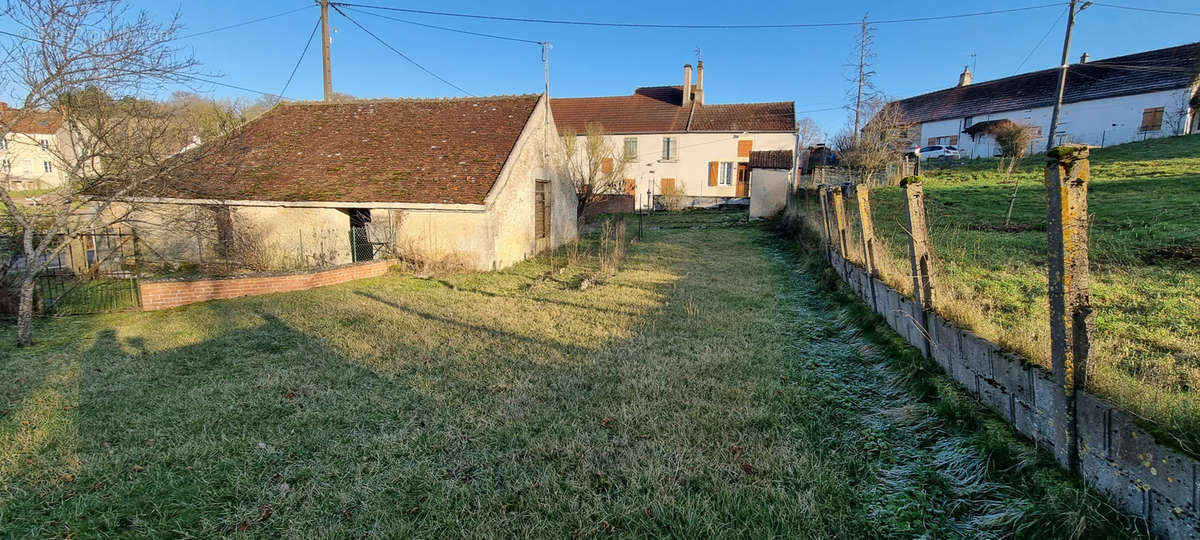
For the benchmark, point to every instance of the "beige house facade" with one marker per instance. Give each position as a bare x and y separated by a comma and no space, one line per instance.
674,142
478,183
30,149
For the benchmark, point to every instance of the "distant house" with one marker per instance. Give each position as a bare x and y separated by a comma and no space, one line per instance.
474,180
31,148
673,140
1111,101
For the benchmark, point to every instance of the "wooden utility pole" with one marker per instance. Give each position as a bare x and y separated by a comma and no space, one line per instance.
326,62
1067,172
1062,76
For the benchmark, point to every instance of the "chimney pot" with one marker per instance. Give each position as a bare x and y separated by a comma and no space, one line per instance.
687,84
1083,59
700,82
965,78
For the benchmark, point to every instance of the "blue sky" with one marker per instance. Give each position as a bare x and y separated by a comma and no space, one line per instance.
808,66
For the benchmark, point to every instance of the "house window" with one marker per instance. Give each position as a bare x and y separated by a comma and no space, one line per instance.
942,140
1152,119
967,122
725,173
45,144
47,167
3,143
670,148
6,165
631,148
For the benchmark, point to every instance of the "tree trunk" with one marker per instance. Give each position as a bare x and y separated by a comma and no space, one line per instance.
25,313
1012,200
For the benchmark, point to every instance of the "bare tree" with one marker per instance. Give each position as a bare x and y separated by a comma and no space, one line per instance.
882,141
865,91
1013,139
808,133
596,165
106,148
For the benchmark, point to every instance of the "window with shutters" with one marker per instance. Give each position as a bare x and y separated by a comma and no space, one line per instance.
744,147
631,149
666,186
541,211
725,173
630,186
606,166
670,149
46,166
1152,119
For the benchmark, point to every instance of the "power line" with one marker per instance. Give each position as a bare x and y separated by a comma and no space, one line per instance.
260,19
448,29
307,44
1041,41
397,51
1147,10
693,26
174,73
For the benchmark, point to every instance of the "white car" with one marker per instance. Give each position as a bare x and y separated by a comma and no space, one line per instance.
939,151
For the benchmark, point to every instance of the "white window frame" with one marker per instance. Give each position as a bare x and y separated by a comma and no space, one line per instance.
670,148
47,166
630,156
725,173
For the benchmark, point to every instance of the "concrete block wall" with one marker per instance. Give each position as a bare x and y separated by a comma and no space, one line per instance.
1118,458
173,293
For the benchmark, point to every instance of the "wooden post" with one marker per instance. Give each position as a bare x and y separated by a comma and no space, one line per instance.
825,223
1067,175
918,253
839,213
868,238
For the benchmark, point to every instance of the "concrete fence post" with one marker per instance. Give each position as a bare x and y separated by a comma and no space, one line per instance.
918,253
839,214
861,192
827,237
1067,175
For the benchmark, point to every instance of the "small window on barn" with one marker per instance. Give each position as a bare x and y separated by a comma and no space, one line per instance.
1152,119
631,150
541,209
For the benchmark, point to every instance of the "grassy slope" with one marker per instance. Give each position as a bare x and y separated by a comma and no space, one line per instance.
1145,205
708,389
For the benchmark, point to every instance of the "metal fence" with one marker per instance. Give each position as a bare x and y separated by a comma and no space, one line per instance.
94,273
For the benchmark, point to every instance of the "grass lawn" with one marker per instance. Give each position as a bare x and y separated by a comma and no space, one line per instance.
713,387
1144,200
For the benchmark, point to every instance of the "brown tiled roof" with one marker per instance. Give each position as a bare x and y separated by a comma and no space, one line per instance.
771,159
659,109
1150,71
400,150
35,122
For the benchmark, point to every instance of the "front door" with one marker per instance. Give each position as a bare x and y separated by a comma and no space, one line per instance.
743,180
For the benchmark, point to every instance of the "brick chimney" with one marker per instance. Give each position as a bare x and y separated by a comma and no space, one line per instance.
700,82
687,85
965,77
1083,59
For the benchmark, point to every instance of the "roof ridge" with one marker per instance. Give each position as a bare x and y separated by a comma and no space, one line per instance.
496,97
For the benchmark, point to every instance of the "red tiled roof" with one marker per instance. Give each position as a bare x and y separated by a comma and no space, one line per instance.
1149,71
35,122
401,150
658,109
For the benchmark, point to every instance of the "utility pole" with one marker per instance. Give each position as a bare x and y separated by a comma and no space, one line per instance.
327,64
862,60
1062,74
546,116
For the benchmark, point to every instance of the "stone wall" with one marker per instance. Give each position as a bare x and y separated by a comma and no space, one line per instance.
173,293
1119,458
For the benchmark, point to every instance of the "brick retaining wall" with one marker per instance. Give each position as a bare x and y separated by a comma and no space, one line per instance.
171,293
1118,458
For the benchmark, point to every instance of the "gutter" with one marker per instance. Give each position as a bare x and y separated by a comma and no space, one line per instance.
426,207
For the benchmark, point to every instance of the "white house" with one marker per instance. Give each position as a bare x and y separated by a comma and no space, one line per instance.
32,146
1111,101
673,140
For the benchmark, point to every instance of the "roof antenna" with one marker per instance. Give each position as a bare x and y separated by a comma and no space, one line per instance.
698,54
972,61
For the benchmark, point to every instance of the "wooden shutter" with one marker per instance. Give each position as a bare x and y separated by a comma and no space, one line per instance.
932,141
667,186
744,147
606,165
541,210
713,166
953,140
630,186
1152,119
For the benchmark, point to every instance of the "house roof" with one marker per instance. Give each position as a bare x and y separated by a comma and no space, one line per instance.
448,151
32,122
659,109
1149,71
771,159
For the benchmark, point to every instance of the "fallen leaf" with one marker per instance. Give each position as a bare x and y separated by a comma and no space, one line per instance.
289,395
412,510
69,477
264,511
737,449
646,512
346,514
244,525
138,468
748,468
605,421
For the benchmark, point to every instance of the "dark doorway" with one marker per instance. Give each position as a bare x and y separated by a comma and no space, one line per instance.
360,245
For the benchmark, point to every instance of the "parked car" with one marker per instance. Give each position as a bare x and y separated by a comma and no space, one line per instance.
939,151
